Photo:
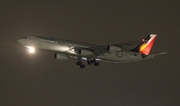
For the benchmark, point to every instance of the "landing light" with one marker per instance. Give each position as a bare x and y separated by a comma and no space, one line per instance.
31,49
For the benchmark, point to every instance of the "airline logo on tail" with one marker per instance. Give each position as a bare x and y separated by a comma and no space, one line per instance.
146,44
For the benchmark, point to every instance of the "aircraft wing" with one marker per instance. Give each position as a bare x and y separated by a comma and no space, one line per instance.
104,49
127,44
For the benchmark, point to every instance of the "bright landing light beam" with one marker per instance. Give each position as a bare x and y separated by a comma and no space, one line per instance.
31,49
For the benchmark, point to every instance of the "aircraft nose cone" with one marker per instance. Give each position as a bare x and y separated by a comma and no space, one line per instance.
20,41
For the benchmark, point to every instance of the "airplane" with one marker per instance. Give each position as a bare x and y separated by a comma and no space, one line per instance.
115,53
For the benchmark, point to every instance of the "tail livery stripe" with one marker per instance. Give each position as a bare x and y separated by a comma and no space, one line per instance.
147,43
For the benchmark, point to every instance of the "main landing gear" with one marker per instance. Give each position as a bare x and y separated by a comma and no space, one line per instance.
89,62
79,63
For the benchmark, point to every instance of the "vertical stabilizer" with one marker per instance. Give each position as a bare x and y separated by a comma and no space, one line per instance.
146,45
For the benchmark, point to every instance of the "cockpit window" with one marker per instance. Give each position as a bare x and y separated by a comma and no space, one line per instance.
24,37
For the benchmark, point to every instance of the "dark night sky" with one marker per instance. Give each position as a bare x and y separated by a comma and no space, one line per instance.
40,80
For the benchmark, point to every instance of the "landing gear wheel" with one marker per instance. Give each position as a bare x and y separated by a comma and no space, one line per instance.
96,64
82,66
79,63
89,62
93,61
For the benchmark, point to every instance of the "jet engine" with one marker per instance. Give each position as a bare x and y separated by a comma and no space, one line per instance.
113,48
85,52
61,57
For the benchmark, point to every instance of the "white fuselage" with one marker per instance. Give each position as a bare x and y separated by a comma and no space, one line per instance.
70,48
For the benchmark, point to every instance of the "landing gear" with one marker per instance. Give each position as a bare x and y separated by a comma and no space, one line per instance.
89,62
79,63
82,66
96,64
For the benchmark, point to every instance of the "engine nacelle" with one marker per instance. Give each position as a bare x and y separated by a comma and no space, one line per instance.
61,57
114,48
85,52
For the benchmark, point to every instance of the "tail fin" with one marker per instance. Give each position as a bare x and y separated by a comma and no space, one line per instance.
145,46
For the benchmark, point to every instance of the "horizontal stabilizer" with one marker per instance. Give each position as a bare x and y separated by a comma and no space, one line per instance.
156,54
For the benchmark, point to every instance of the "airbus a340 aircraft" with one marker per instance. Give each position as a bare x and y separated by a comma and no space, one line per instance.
116,53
